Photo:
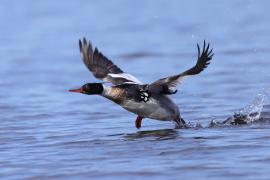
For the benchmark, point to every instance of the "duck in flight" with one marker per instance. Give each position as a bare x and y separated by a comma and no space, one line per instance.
145,100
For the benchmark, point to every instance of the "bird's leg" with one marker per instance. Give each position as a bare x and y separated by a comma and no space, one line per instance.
180,123
138,122
182,120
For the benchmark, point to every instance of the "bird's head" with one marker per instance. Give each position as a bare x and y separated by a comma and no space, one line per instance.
89,88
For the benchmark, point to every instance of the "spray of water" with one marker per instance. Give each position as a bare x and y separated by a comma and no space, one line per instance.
253,110
247,115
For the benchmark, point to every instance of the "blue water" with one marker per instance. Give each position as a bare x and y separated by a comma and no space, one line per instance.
48,133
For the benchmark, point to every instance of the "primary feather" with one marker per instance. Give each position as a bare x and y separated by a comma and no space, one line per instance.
169,84
101,67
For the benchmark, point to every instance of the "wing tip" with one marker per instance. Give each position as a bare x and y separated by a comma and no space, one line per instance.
203,60
85,46
206,52
84,41
80,45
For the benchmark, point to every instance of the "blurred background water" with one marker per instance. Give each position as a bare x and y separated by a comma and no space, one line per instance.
49,133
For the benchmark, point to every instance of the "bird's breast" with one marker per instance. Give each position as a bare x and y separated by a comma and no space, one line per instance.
116,95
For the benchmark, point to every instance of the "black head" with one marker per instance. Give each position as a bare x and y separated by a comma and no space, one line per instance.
89,88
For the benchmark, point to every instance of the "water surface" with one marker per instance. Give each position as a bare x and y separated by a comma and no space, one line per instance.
48,133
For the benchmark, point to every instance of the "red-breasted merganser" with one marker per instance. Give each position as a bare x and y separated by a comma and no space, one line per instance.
145,100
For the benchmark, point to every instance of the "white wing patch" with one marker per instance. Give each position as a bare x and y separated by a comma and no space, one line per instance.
125,76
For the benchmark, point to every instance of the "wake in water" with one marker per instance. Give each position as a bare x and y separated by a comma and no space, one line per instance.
247,115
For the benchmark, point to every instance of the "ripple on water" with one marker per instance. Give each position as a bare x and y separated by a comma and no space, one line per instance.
48,133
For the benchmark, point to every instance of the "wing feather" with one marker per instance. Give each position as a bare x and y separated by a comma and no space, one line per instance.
169,84
101,67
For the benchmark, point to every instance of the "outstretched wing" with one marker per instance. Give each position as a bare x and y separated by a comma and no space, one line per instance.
103,68
169,84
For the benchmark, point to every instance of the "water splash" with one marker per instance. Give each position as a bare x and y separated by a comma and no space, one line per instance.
253,111
247,115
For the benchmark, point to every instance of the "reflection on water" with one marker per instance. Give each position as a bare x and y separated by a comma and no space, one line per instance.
161,134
